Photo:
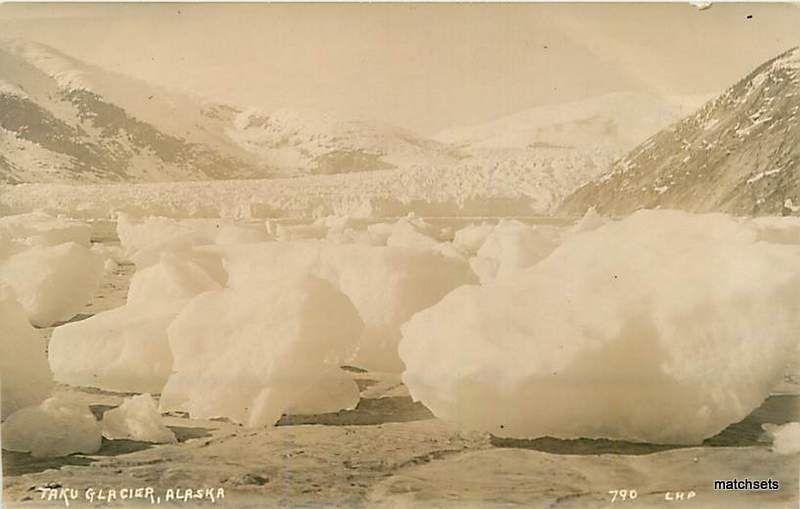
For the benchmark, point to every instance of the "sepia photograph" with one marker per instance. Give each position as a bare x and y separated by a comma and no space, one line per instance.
400,255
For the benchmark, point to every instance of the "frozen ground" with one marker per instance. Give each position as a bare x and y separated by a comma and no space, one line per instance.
391,452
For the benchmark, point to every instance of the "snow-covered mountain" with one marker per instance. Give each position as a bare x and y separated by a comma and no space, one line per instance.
63,120
617,121
319,143
740,153
566,145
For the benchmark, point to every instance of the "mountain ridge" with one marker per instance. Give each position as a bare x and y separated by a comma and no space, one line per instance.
738,154
65,120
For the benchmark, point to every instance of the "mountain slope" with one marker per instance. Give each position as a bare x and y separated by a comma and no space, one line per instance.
62,120
739,153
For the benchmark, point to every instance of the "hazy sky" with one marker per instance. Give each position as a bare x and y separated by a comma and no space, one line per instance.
425,67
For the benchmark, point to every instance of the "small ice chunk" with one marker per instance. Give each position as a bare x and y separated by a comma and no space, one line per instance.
110,252
137,418
271,226
59,426
338,223
785,437
701,6
406,233
26,377
53,283
512,247
110,266
471,238
109,256
380,232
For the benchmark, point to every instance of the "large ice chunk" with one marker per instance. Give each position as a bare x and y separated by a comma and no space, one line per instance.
663,327
386,284
123,349
38,228
26,378
53,283
254,353
137,418
126,349
59,426
137,234
144,240
176,278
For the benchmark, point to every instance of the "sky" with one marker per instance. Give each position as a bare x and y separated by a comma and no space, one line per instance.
425,67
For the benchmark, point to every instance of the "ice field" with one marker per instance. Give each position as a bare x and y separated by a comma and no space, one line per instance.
408,348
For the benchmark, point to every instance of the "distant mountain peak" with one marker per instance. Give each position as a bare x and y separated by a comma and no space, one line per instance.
68,72
618,120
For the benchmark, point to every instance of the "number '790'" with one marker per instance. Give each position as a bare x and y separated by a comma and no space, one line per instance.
623,495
